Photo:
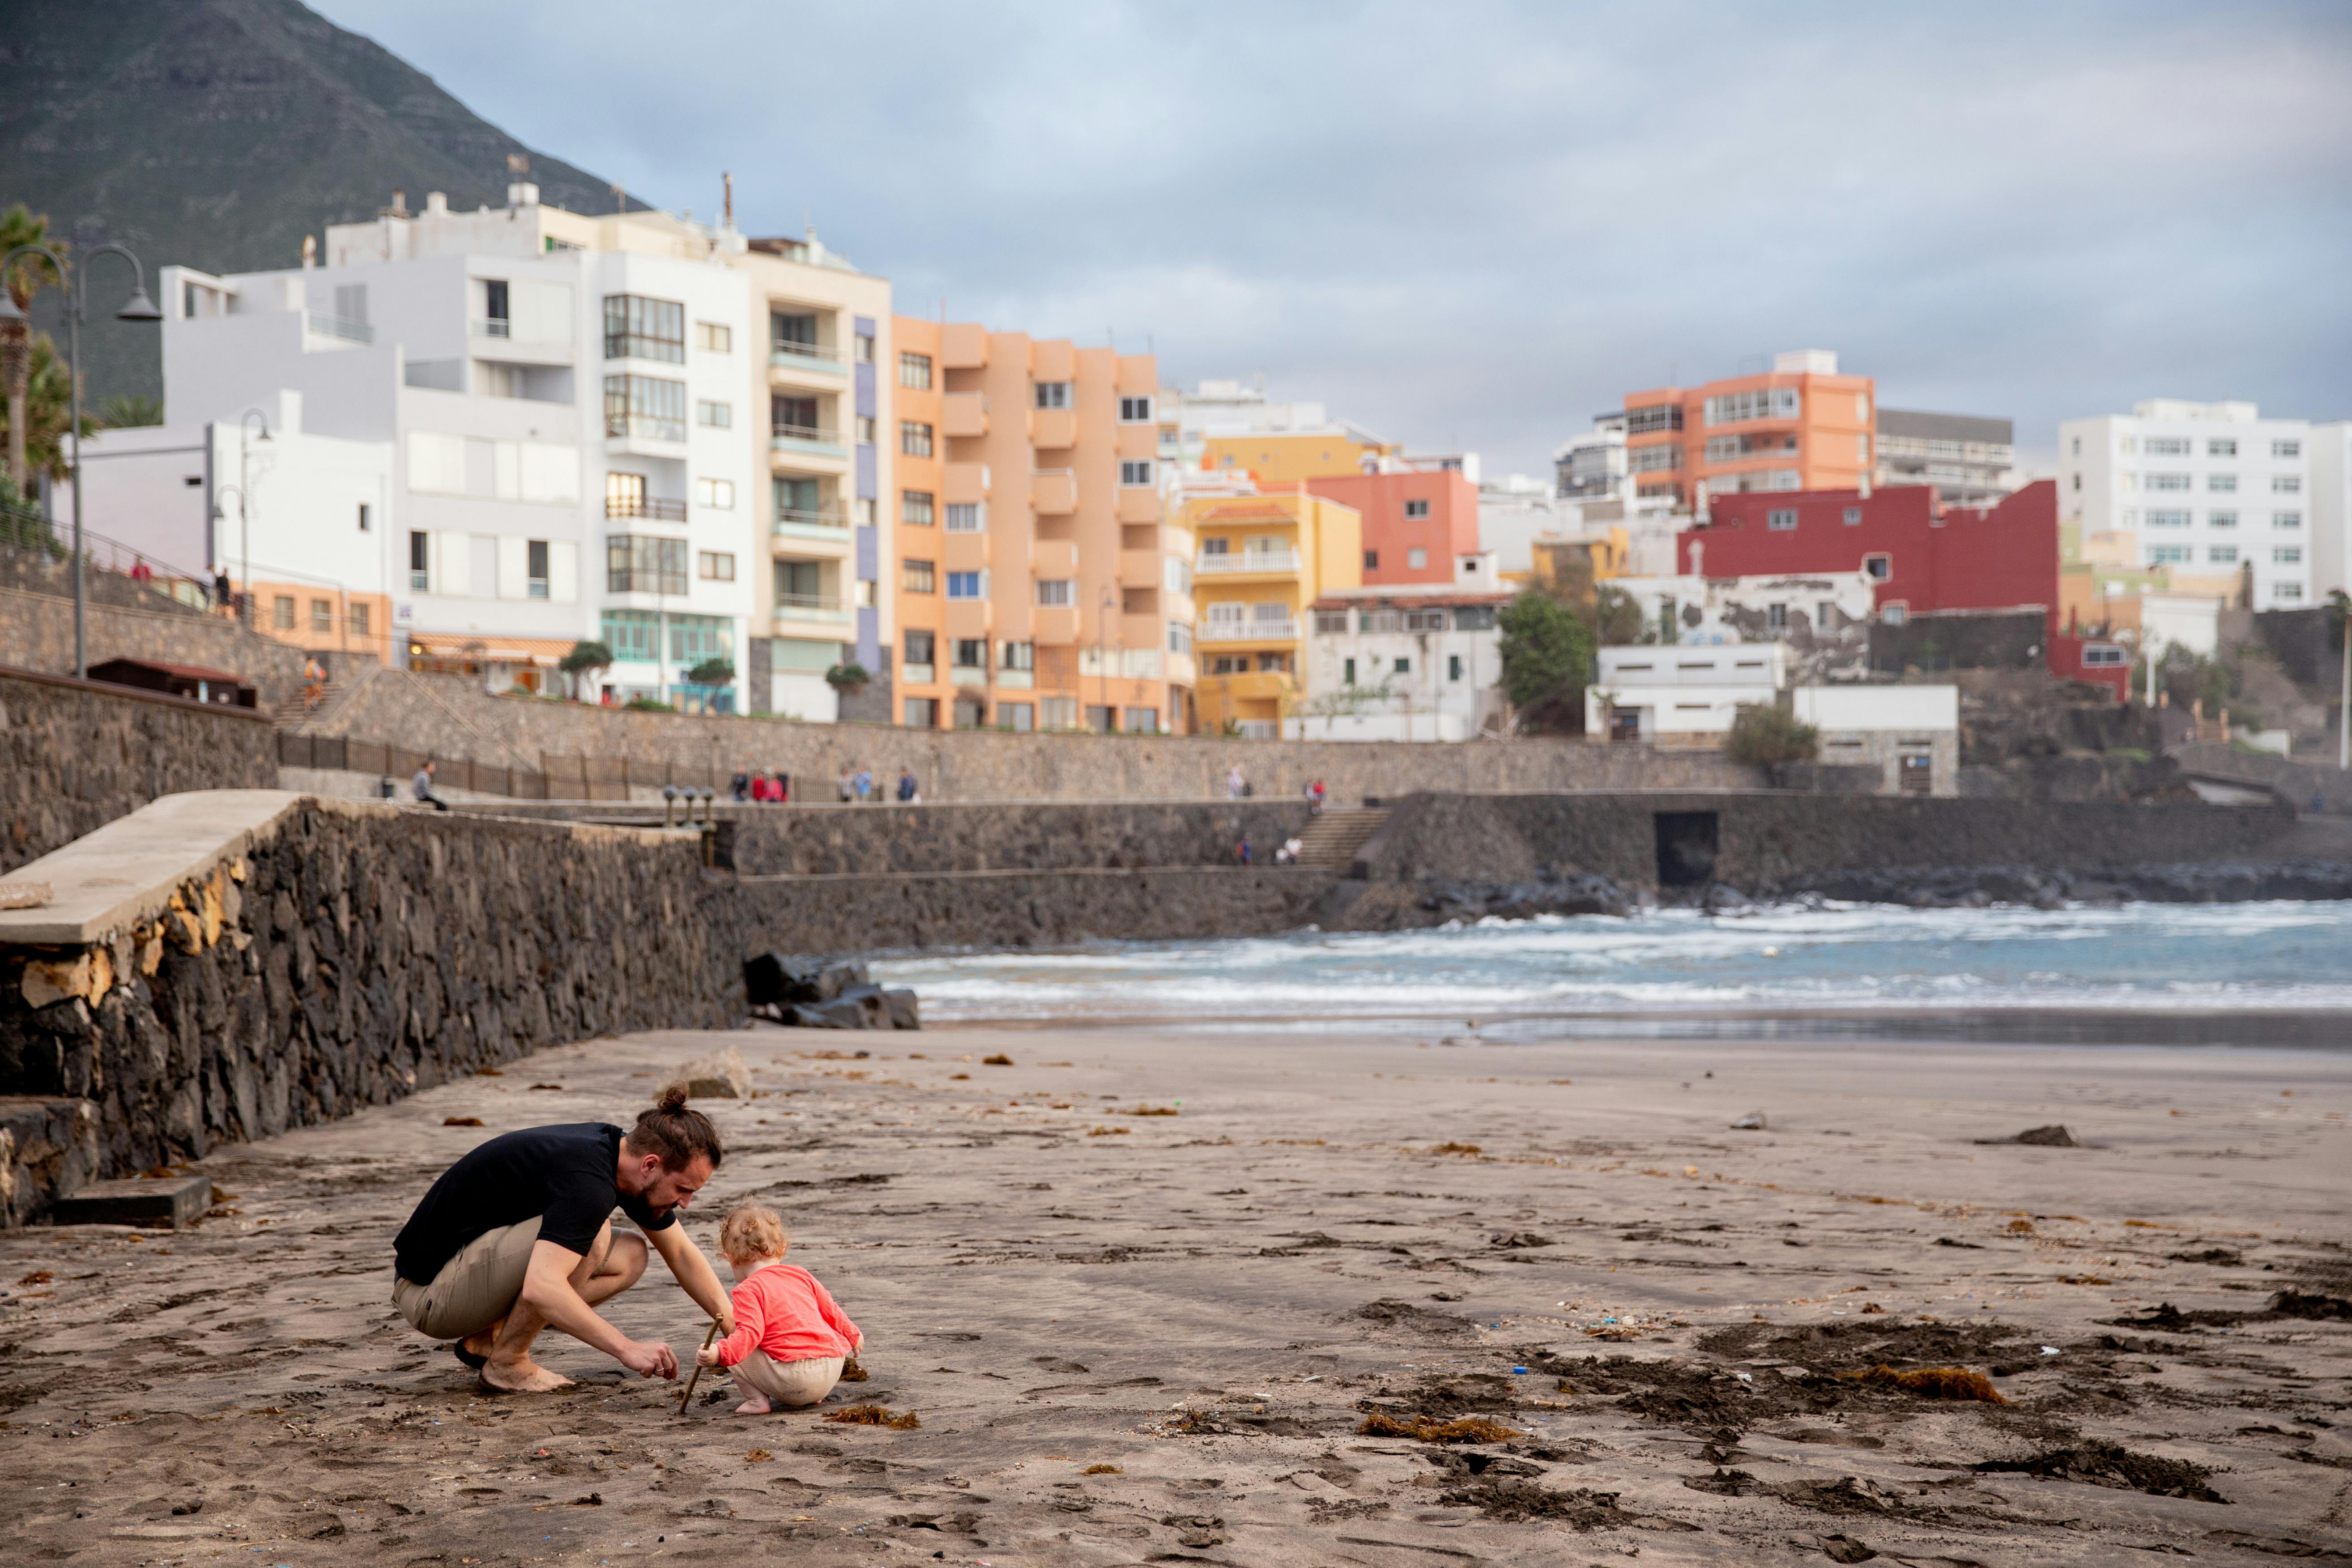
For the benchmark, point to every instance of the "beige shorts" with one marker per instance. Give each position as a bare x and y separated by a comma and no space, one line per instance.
788,1382
475,1289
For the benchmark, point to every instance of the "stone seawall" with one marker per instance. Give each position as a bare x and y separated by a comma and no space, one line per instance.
1762,842
1025,837
37,629
77,754
416,711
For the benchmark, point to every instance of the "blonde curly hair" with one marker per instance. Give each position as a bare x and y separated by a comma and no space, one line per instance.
752,1230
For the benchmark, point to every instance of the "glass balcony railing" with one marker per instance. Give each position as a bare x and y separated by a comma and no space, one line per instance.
654,506
812,607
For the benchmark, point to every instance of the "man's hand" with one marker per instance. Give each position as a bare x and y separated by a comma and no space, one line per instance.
707,1356
655,1360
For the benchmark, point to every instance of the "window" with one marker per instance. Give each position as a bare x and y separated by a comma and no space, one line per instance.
1372,560
2286,484
714,415
2286,448
1424,620
2221,554
915,508
1854,517
1416,559
2167,481
641,564
1861,449
861,348
1402,667
1052,394
2287,556
1781,518
535,569
363,517
2166,554
495,311
790,335
1416,509
420,559
2285,592
1453,667
1646,460
868,430
2103,654
1764,403
1330,621
1895,612
1056,592
2166,517
359,620
630,634
798,584
967,585
1348,671
915,371
1135,471
2077,447
868,512
2124,445
1475,618
322,616
1180,637
1135,411
1776,617
970,654
2220,447
2223,518
2166,446
645,405
2286,520
1878,568
914,438
714,566
693,638
967,517
922,713
1656,416
714,337
2224,484
717,494
636,328
915,577
2074,479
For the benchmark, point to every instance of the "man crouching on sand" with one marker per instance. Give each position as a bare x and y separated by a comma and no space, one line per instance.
518,1236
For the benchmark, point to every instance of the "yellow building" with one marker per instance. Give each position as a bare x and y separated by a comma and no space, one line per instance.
1261,560
1275,457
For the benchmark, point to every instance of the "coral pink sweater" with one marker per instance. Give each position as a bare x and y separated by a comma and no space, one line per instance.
783,1312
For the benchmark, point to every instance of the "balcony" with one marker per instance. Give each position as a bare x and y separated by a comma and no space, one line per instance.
808,359
827,525
492,327
1051,429
1247,562
654,506
812,609
963,345
1054,626
805,441
1053,492
645,434
1053,558
1140,568
1138,504
963,414
332,326
965,483
1245,631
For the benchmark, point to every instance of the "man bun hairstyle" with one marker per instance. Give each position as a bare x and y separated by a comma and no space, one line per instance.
674,1134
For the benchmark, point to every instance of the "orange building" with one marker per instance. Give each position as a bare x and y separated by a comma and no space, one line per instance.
1419,525
1799,427
1034,585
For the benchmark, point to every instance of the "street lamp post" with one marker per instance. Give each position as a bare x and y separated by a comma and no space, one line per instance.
138,309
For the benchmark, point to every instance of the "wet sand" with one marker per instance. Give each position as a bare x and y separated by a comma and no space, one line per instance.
1138,1338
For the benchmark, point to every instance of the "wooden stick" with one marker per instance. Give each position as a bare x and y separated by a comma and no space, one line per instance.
688,1397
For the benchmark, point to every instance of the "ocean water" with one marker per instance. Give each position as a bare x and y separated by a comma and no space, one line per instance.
1857,960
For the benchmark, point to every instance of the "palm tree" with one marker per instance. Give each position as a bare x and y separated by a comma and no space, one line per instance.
41,413
125,411
27,277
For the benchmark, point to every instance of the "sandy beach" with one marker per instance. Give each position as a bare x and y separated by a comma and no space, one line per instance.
1138,1337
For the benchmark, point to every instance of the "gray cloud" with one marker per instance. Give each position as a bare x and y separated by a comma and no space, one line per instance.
1479,224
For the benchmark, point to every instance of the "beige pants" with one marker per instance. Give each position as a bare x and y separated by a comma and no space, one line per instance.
475,1289
787,1383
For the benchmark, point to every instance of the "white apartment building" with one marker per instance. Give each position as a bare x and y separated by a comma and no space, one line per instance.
1673,696
2212,490
584,413
1405,662
2330,453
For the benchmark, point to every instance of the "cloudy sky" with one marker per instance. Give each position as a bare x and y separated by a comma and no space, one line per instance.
1476,224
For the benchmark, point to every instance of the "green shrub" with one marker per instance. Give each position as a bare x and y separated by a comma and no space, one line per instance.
1767,735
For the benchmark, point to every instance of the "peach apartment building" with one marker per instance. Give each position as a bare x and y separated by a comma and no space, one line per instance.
1799,427
1034,585
1263,558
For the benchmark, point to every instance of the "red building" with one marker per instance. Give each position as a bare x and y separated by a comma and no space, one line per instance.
1924,556
1415,523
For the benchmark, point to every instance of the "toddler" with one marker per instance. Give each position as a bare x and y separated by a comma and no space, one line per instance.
790,1338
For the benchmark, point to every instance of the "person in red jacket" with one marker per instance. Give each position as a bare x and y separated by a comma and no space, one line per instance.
790,1339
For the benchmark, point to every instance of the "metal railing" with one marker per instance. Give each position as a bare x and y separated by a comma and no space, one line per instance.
645,426
493,327
339,327
807,435
654,506
1208,566
810,607
830,518
793,355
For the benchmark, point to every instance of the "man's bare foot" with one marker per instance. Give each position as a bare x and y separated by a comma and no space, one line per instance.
756,1406
475,1348
524,1377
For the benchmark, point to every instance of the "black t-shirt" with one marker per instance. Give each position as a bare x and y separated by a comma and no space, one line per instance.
561,1175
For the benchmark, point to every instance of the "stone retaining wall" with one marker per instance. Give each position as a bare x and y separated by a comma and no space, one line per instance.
2298,782
37,629
76,754
404,708
1767,840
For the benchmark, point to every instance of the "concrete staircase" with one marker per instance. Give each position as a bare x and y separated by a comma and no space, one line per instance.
1333,839
297,719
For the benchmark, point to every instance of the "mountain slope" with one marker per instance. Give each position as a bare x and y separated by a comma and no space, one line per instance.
216,133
